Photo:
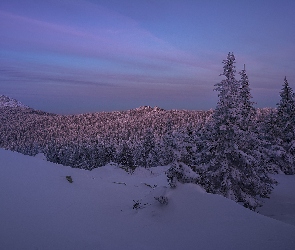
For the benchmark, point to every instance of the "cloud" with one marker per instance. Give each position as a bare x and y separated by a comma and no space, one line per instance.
94,45
121,42
82,44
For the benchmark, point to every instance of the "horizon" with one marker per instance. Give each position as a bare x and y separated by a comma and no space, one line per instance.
121,110
92,55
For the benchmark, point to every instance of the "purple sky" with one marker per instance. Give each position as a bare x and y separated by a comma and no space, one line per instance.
73,56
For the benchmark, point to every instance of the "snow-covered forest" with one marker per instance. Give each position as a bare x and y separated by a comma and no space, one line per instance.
231,150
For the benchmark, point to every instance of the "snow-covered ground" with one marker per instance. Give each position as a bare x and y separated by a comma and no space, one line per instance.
40,209
281,205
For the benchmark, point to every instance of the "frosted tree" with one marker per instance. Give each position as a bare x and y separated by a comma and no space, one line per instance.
225,111
230,165
272,151
167,146
124,156
182,173
247,110
188,146
286,113
145,153
286,126
257,142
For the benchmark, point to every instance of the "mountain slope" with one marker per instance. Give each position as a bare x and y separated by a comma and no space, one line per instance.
40,209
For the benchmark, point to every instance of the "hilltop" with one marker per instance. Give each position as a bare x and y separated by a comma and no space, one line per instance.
6,101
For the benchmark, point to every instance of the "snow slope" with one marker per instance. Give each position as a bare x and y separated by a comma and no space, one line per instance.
281,205
40,209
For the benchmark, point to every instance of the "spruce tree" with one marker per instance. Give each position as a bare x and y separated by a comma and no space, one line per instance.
145,153
167,147
124,156
230,166
247,110
267,132
286,113
286,126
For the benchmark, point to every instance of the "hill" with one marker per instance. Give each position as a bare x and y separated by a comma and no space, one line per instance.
93,139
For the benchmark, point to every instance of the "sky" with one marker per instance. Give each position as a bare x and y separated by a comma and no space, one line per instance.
76,56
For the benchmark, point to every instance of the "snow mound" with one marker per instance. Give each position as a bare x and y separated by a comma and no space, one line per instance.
41,209
6,101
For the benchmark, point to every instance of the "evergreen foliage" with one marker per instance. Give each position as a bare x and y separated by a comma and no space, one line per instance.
124,156
285,126
286,113
231,154
247,110
180,172
141,137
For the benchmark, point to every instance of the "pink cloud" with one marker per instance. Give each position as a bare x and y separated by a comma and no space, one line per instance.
126,43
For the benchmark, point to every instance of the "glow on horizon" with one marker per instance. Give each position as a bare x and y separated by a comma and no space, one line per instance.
83,56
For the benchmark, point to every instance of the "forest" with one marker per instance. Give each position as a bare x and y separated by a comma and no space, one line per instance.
231,150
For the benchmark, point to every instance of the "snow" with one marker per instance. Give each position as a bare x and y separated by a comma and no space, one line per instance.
40,209
281,205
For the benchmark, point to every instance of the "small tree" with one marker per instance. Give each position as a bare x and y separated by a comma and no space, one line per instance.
182,173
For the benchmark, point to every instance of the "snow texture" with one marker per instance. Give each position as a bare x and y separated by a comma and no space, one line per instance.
41,210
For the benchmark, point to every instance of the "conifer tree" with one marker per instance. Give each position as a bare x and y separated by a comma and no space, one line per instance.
225,111
247,110
230,166
286,127
125,156
167,147
145,154
272,151
286,113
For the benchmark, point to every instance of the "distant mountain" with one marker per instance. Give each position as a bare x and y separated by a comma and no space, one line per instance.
6,101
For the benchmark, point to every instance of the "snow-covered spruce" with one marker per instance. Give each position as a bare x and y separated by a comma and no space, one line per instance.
180,172
285,126
230,154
